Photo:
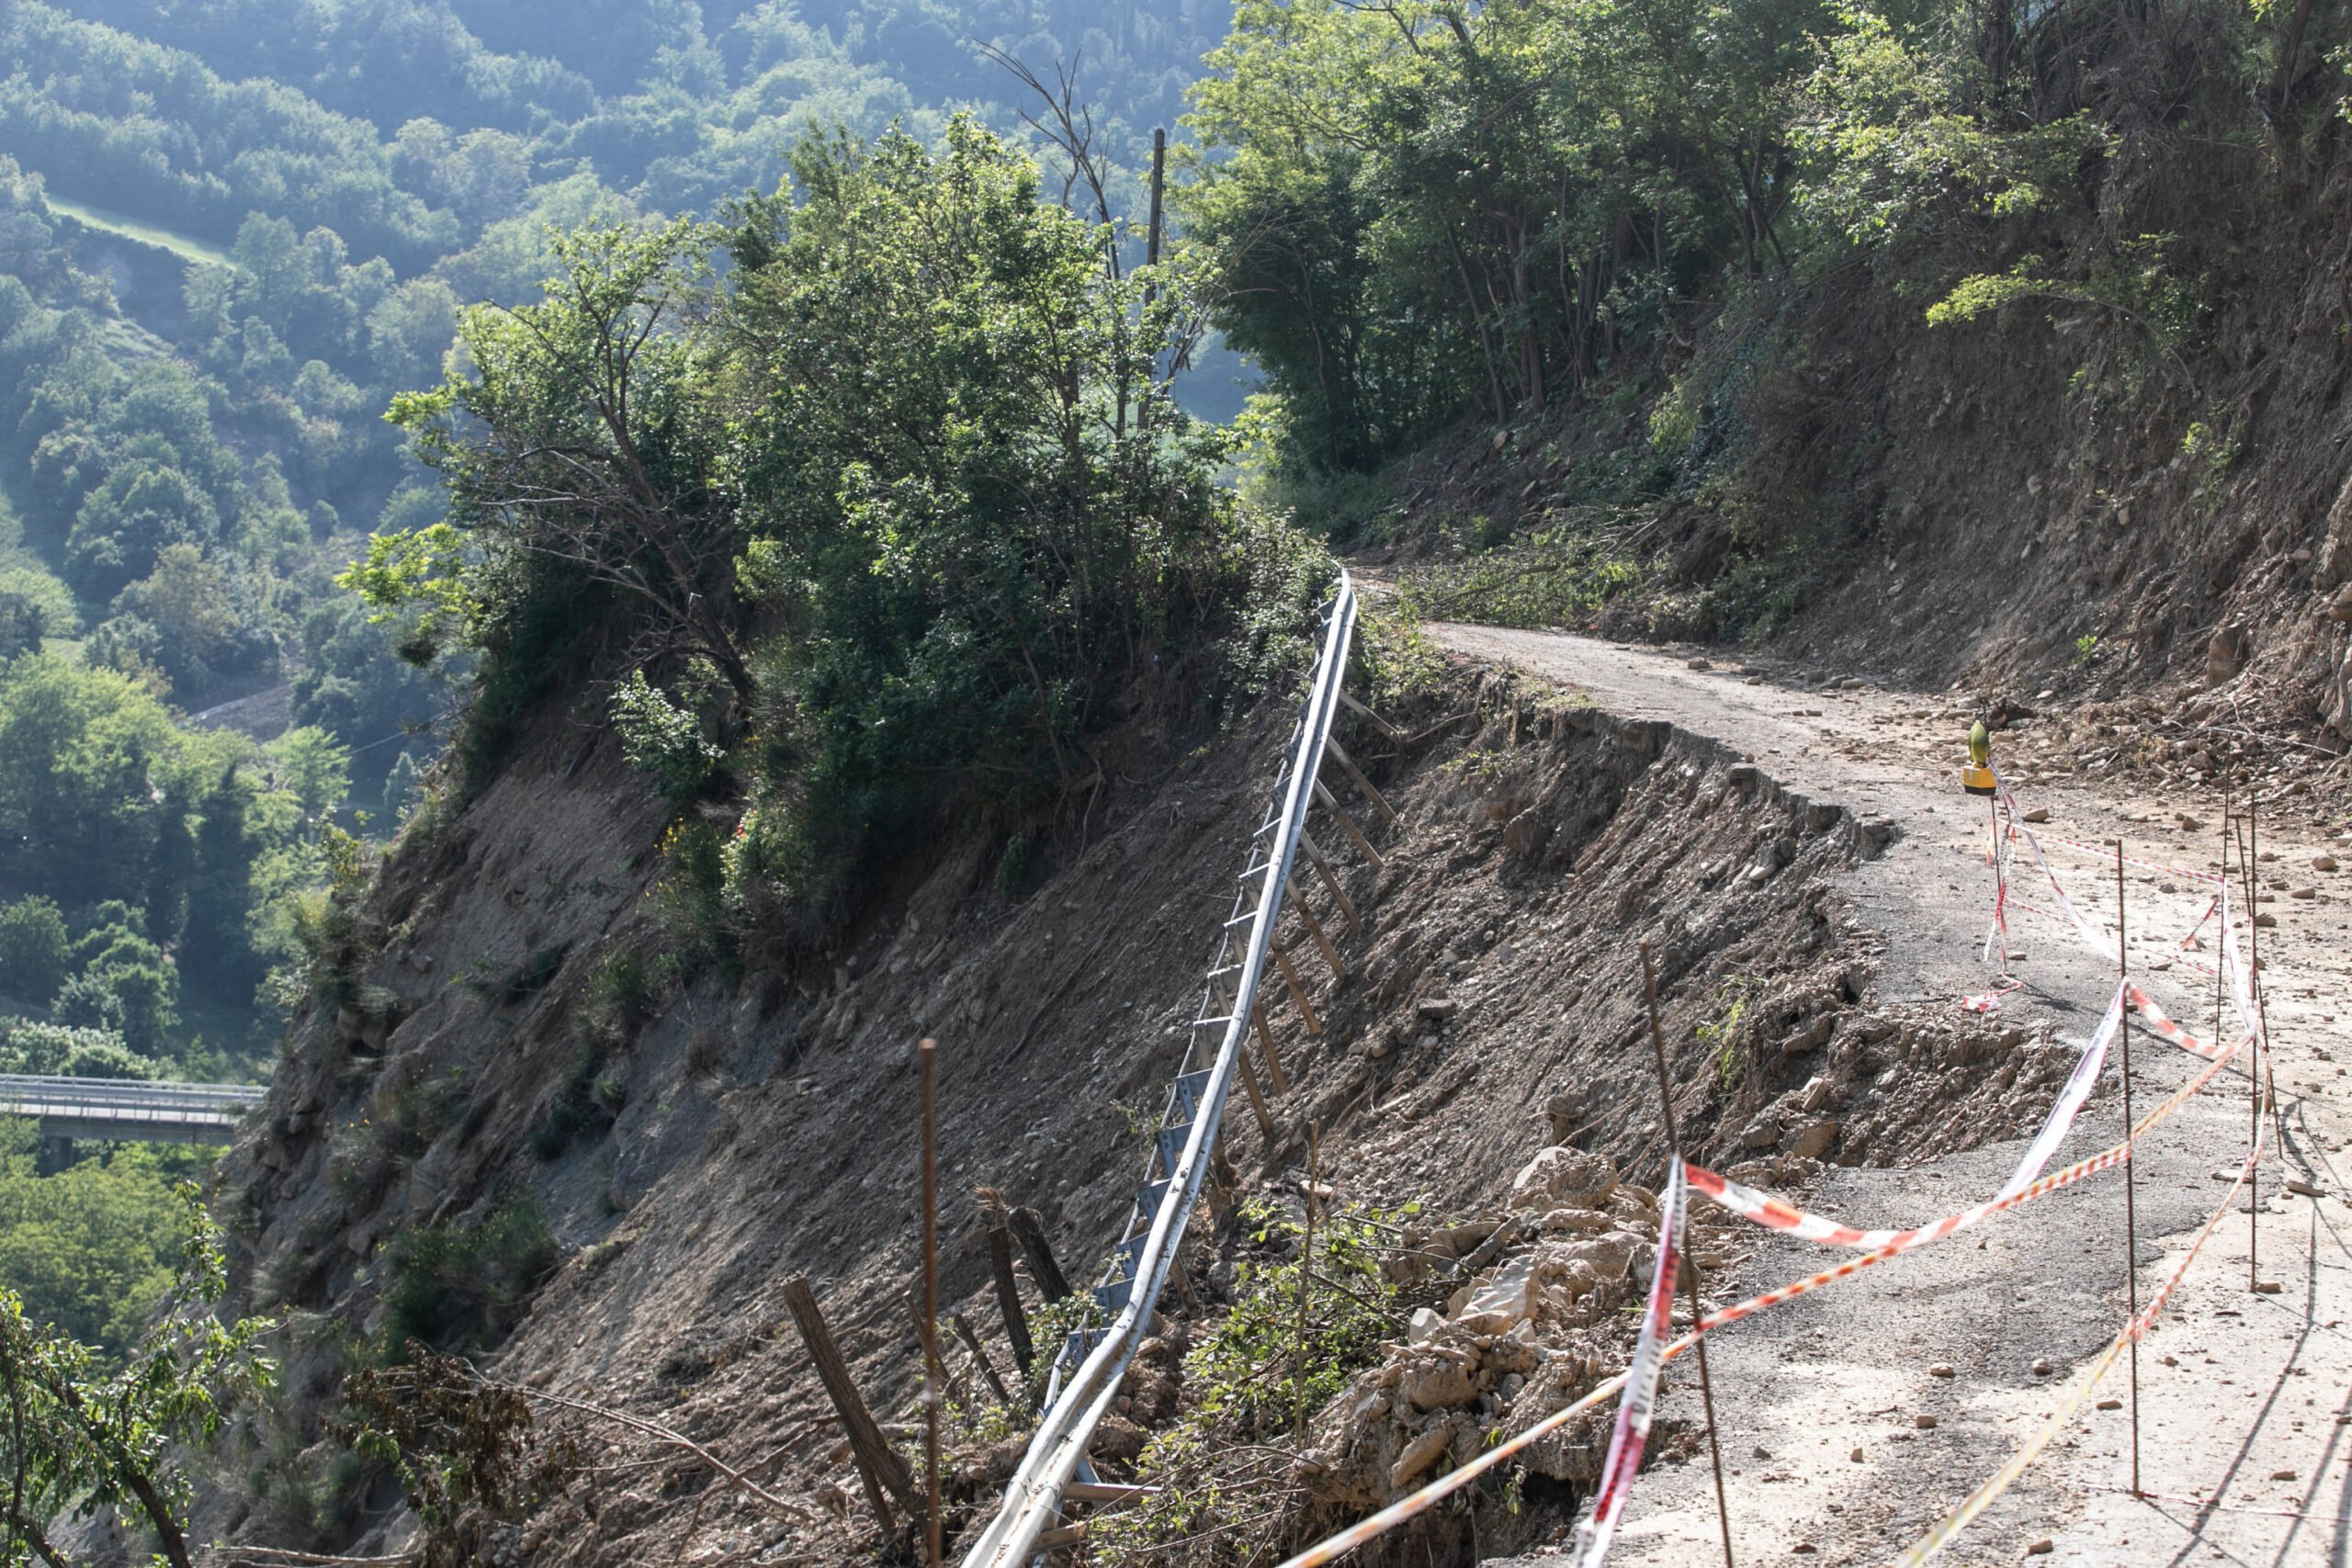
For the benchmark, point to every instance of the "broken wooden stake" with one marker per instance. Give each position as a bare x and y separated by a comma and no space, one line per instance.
1007,1288
1347,826
1297,991
1029,1228
979,1357
1266,1044
1338,754
927,1056
879,1468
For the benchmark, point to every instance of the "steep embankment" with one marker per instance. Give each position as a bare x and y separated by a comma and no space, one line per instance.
687,1151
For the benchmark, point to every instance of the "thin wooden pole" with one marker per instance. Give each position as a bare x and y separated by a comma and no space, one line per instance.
1007,1288
2253,1073
1266,1044
2131,1178
1256,1100
2000,888
1331,880
1333,749
878,1468
1371,718
927,1052
1296,988
1674,1151
2261,989
979,1357
1314,929
1029,1228
1346,825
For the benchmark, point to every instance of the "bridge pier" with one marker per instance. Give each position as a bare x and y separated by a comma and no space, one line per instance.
53,1156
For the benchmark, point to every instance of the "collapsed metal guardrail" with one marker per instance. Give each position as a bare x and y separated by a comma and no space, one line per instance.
1090,1364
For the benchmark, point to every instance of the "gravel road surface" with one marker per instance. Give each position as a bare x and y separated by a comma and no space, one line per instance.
1850,1420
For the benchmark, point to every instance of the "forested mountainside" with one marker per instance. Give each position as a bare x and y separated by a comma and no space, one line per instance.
230,235
678,514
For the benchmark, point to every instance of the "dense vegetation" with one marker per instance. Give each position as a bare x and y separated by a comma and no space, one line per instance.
895,509
230,232
212,284
1427,212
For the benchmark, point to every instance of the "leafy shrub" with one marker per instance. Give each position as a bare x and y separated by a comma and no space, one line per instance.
90,1251
63,1049
452,1290
1276,1357
664,739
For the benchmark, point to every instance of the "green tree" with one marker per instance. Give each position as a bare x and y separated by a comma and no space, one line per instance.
90,1251
81,1438
80,750
221,891
314,768
204,630
141,507
411,329
24,625
34,950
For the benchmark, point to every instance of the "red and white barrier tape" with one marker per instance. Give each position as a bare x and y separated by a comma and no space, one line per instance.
1959,1519
1785,1218
2161,1025
1419,1502
1632,1432
2107,851
1772,1213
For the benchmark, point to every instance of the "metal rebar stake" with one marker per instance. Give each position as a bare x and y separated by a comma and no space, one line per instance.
2130,1180
1674,1151
2253,1063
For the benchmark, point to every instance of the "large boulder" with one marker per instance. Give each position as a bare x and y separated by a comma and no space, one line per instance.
1560,1177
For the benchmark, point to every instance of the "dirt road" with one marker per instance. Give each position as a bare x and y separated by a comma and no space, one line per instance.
1852,1419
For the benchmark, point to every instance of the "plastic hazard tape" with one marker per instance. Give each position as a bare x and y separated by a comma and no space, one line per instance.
2107,851
1428,1497
1414,1504
1765,1210
1772,1213
2089,933
2098,941
1959,1519
2164,1028
1632,1432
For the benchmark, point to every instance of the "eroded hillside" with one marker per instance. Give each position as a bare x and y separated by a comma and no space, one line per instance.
485,1144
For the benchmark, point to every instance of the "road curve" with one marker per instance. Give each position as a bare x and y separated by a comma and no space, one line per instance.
1819,1400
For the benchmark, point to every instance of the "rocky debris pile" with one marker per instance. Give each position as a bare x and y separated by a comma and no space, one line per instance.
1903,1079
1530,1324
